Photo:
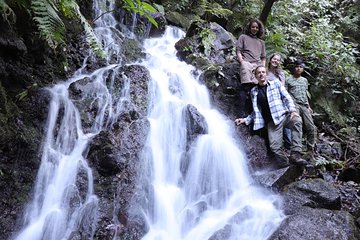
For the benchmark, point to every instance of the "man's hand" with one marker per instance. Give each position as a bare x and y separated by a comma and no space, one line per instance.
239,121
294,114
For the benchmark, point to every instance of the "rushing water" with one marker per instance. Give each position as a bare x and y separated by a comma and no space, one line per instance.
64,203
216,192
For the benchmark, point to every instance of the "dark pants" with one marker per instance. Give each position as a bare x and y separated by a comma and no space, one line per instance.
245,105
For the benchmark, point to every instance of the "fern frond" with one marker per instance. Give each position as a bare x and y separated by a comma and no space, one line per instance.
50,25
216,9
90,36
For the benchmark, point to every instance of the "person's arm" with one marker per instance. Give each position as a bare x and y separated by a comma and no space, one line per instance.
263,61
239,57
246,120
263,53
282,78
239,47
288,100
239,121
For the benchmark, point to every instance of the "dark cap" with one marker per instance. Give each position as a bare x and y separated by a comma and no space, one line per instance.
299,64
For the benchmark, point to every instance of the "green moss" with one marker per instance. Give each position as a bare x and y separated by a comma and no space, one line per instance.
332,110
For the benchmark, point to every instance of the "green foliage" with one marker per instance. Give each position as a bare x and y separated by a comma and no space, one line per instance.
251,8
331,164
207,39
180,5
310,30
332,110
71,9
50,25
142,8
46,14
276,44
216,10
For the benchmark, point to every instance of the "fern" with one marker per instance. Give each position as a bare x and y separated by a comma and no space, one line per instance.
49,23
216,10
71,9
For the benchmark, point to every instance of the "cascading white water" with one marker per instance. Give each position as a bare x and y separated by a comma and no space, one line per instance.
217,190
64,203
60,207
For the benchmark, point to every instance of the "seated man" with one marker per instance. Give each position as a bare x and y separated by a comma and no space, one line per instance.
275,109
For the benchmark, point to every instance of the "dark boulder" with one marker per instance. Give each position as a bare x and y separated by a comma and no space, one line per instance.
315,193
318,224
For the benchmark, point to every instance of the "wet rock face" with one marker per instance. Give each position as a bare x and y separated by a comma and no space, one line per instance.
115,155
112,151
313,212
315,193
318,224
195,123
139,78
26,65
195,126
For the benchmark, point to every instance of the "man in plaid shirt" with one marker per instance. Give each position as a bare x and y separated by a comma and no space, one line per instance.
274,108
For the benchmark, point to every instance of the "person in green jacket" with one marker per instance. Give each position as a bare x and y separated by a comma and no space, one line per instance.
298,86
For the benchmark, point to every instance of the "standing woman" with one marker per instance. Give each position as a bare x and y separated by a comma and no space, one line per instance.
275,72
250,50
274,69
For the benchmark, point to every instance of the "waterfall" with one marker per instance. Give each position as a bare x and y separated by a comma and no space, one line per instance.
217,191
64,205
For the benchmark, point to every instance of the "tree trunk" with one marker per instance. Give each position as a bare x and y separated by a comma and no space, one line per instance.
266,10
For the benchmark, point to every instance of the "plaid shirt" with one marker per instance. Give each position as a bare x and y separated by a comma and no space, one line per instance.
280,103
298,89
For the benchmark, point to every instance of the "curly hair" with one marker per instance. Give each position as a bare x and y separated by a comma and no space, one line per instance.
247,29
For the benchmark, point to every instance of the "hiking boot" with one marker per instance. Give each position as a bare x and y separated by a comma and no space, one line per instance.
281,162
296,159
310,170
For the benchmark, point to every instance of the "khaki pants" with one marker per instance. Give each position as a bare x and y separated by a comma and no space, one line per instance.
246,72
276,133
309,125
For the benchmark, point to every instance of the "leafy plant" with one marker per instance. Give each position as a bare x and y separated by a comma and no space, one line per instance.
309,30
207,39
46,14
50,25
142,8
321,162
215,9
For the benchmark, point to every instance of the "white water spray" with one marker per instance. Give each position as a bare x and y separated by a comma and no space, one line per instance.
217,191
64,205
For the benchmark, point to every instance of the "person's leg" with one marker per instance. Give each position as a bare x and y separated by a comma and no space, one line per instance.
309,126
247,73
295,124
287,138
275,135
242,102
245,77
